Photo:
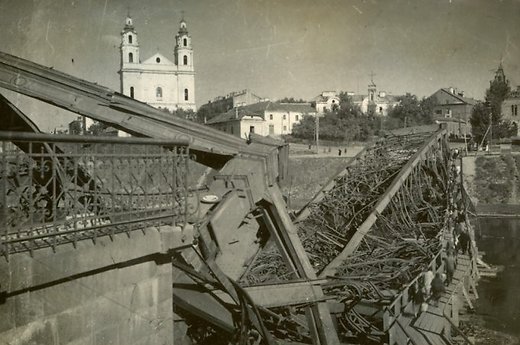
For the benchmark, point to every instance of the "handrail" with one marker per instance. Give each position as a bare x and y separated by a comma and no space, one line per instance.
402,327
466,339
85,139
430,265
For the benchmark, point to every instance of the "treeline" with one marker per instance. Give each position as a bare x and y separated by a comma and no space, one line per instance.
347,122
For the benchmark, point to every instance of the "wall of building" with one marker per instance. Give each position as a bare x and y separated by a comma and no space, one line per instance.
281,122
456,111
230,127
145,80
257,122
113,292
382,108
511,111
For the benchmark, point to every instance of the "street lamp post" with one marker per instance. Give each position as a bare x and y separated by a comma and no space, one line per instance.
317,130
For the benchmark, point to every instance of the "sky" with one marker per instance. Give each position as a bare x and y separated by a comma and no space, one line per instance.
276,48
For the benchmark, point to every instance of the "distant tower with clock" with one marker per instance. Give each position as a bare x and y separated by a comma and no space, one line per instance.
157,80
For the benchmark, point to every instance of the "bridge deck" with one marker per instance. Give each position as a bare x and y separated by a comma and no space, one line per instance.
428,326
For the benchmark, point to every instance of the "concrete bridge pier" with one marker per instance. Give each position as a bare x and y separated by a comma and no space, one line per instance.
111,291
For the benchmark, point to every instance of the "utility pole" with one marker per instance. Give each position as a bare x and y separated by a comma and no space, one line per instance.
490,129
317,130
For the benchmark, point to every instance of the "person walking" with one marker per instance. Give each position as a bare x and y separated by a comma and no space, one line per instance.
428,277
464,241
437,289
419,299
449,264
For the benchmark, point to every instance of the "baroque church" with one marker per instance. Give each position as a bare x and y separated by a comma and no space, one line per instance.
158,81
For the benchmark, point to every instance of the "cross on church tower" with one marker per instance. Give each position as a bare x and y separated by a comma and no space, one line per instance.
372,75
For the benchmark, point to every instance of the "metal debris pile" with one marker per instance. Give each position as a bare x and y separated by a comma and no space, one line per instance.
333,220
401,243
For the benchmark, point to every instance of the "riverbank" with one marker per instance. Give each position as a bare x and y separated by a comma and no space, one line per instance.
492,183
474,326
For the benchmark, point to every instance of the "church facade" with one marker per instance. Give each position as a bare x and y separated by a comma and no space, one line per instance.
158,81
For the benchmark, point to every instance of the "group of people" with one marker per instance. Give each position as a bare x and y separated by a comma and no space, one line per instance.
430,287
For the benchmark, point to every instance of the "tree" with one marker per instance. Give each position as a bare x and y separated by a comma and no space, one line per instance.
482,113
97,128
411,112
292,100
181,113
345,122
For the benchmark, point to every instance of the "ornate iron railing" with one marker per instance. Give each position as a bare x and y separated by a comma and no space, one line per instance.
60,189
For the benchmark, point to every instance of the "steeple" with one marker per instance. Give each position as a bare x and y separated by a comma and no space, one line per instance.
129,43
499,74
372,88
183,48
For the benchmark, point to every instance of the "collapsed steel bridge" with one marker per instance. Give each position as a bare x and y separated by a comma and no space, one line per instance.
253,274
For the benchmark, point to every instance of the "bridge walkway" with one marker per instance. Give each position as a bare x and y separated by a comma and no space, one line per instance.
428,326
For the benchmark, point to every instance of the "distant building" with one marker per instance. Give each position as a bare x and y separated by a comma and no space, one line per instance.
453,108
77,126
379,102
326,101
457,128
222,104
510,108
452,103
264,118
158,81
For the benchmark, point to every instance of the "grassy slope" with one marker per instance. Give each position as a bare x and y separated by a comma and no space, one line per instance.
307,175
497,180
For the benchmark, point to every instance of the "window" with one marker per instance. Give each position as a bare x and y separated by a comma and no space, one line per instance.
158,59
232,130
130,57
131,91
186,95
271,129
438,111
284,128
130,39
185,42
297,117
185,60
380,109
158,93
284,116
270,116
514,110
251,129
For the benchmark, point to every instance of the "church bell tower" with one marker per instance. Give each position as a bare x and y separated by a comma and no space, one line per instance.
129,49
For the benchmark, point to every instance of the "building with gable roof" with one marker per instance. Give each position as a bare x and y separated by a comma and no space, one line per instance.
158,81
452,103
263,118
454,109
326,101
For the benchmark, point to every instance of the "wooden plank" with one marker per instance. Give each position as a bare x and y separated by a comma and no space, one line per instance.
416,336
318,314
434,339
277,295
466,296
